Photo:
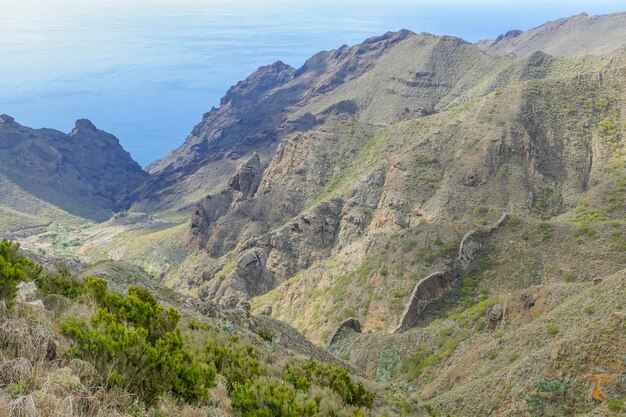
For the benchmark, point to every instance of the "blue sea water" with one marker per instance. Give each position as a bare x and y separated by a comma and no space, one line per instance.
146,70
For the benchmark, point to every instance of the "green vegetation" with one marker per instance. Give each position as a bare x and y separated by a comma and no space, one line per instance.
13,269
551,398
545,229
589,310
612,203
552,330
616,405
135,345
584,229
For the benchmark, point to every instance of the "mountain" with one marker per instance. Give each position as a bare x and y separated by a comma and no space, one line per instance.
385,79
85,173
447,217
573,36
424,208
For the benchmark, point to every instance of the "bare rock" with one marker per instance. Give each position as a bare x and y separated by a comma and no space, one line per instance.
36,304
426,291
266,311
349,325
247,177
470,245
26,291
494,316
528,300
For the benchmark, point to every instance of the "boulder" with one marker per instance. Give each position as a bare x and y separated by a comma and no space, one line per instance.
25,291
494,316
36,304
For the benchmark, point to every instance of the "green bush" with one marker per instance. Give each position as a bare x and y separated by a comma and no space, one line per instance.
13,269
259,399
301,374
546,230
237,362
589,310
133,343
551,398
584,229
60,282
552,330
616,405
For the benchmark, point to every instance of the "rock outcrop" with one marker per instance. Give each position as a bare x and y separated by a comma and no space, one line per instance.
426,291
349,325
437,284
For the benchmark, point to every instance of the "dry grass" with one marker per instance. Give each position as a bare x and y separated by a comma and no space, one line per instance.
15,370
23,407
32,341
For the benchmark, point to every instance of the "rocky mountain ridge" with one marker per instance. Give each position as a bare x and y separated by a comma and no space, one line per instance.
572,36
85,173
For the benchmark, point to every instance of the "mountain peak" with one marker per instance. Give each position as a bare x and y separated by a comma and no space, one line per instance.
6,119
258,83
82,125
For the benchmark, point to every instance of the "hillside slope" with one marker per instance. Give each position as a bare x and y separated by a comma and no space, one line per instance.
573,36
385,79
85,173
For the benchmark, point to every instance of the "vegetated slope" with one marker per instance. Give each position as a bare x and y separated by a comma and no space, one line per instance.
369,197
70,346
573,36
362,224
335,187
85,173
554,349
23,214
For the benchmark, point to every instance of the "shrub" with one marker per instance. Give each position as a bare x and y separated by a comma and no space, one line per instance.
481,211
569,276
301,374
616,405
237,362
546,230
589,310
60,283
514,222
491,354
552,330
133,343
552,398
257,399
13,269
584,229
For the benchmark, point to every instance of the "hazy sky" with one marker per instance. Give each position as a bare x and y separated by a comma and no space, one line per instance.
146,70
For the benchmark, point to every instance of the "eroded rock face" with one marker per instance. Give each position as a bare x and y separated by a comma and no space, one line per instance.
247,176
426,291
349,325
205,214
26,291
242,185
437,284
470,245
